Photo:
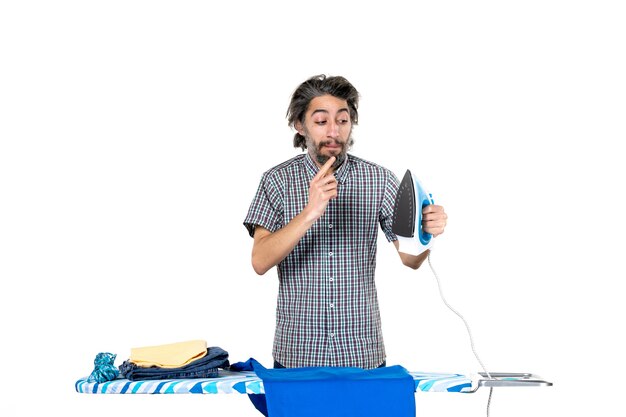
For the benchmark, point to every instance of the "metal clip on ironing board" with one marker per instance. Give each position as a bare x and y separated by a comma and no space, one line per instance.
511,379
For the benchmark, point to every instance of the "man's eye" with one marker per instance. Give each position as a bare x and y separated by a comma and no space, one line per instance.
343,121
321,122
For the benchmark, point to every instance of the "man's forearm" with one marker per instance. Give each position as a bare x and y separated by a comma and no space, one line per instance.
271,248
412,261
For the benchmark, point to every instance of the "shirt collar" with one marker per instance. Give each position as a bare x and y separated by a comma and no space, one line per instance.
340,173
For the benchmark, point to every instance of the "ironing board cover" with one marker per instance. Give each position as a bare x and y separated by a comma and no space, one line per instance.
229,382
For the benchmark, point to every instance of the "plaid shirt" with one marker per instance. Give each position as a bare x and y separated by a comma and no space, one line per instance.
327,312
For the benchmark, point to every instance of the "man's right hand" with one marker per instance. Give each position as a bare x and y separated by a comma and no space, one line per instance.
322,189
270,248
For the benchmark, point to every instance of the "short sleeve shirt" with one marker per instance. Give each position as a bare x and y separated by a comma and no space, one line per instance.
327,311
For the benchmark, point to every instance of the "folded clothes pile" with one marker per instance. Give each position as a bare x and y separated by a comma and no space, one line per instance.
181,360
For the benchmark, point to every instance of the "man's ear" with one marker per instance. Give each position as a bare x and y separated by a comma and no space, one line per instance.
299,127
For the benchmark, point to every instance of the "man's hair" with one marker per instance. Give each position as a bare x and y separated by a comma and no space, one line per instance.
316,86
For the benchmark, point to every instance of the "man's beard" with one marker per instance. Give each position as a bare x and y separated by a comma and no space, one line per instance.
316,151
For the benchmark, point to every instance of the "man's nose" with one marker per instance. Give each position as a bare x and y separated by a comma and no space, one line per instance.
333,130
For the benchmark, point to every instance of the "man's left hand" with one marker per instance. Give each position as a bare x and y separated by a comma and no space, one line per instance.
434,219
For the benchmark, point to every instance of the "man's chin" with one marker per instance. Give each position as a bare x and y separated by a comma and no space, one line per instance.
340,157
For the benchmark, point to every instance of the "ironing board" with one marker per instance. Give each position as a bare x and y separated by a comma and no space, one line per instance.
247,382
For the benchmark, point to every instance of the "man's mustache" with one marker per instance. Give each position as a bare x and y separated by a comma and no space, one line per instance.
328,142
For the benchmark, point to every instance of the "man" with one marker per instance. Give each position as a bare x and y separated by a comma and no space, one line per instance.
315,217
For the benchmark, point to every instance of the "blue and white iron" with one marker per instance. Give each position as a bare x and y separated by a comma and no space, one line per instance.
411,199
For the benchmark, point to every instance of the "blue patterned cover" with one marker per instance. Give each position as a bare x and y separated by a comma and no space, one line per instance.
230,382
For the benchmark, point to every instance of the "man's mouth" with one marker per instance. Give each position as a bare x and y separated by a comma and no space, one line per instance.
332,145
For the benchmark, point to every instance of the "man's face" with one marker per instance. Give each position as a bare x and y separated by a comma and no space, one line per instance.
327,128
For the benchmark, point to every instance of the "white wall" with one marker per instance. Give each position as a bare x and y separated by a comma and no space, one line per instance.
133,135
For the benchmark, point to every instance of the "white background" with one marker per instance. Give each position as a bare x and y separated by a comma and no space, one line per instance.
133,136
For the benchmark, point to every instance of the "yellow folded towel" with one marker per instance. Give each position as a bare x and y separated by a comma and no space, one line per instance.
173,355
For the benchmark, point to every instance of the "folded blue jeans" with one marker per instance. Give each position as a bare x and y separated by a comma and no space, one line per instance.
205,367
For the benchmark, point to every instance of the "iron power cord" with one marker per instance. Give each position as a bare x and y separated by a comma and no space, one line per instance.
469,332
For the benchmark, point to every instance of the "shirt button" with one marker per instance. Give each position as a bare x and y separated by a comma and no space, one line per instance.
330,253
331,305
330,226
331,334
331,279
